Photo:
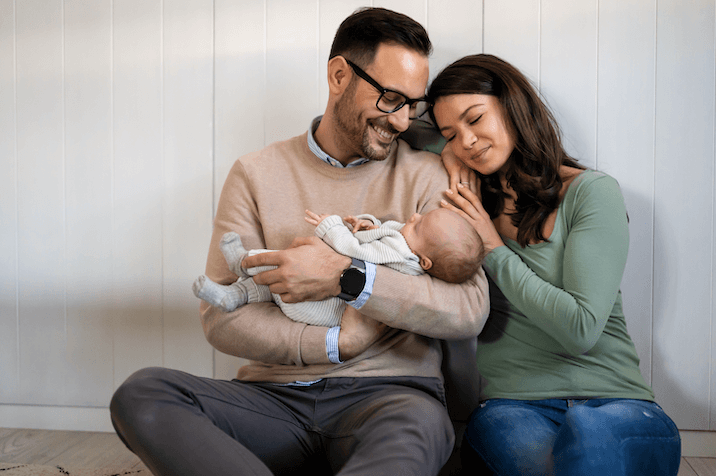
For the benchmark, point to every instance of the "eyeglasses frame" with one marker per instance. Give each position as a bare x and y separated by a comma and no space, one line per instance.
366,77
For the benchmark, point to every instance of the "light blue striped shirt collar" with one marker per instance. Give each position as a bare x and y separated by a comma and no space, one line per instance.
313,145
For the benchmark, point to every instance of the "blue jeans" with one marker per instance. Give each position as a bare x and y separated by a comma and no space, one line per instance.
571,437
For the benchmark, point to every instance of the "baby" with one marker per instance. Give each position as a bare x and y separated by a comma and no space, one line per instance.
440,243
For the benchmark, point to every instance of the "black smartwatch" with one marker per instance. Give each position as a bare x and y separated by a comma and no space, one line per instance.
352,280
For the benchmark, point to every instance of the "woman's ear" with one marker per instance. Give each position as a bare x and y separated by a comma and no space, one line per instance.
425,262
339,74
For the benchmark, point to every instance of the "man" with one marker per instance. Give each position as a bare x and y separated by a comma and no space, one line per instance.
365,397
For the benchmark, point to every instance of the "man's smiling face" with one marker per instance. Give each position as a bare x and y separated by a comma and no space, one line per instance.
369,131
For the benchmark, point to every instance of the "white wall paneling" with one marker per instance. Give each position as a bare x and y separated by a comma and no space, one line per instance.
626,97
291,58
41,202
459,33
683,202
187,145
511,31
119,121
568,72
88,185
9,324
138,184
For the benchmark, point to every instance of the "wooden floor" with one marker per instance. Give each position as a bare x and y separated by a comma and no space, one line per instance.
104,450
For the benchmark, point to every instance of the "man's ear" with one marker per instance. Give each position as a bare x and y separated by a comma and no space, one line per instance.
339,74
425,262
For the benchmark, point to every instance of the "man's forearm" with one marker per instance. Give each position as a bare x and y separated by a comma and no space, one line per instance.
261,332
429,306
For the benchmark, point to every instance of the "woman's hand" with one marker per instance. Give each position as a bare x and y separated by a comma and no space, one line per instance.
358,332
459,173
467,204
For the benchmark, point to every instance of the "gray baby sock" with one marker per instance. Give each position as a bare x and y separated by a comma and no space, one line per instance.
227,298
244,291
234,252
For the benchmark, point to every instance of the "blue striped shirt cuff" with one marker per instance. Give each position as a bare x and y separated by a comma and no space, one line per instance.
332,345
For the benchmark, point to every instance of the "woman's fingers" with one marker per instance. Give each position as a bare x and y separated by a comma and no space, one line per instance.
464,203
459,211
466,193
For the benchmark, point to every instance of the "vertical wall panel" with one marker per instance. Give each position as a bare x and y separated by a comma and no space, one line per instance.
8,208
512,32
455,33
291,67
683,197
712,395
88,88
188,157
568,72
41,201
138,185
240,89
239,105
625,146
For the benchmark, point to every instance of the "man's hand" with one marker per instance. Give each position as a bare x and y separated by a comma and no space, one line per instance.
358,332
307,271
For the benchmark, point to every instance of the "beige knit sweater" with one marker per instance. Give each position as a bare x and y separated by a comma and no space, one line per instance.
263,200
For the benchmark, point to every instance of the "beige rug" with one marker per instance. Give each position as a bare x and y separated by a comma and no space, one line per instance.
7,469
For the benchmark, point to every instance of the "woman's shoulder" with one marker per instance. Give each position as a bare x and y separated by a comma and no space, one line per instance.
589,181
592,189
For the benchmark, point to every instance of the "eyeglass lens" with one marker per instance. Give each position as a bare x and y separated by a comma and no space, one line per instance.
391,101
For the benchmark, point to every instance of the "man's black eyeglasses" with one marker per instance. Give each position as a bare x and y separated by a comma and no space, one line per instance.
390,101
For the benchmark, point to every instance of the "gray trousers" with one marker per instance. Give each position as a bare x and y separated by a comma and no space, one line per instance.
180,424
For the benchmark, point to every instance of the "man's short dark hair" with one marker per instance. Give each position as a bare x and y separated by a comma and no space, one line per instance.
360,35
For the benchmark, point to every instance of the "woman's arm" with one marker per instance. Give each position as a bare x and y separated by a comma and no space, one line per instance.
575,311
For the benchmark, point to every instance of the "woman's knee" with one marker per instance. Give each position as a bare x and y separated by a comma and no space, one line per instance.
618,439
510,438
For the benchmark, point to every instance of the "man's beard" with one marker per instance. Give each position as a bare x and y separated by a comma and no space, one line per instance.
354,132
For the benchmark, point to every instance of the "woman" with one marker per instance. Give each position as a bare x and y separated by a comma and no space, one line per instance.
562,391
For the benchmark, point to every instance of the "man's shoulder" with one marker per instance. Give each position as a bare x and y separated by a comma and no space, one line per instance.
276,150
421,161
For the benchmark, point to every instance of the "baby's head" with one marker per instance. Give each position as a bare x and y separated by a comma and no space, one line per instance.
449,248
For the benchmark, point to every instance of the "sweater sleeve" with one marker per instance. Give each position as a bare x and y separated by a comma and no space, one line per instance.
258,331
426,305
575,312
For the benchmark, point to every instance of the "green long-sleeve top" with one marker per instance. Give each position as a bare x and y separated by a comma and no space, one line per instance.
556,327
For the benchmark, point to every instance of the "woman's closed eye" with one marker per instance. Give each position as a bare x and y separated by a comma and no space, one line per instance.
476,119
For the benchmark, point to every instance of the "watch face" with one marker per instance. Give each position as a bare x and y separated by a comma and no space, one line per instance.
352,282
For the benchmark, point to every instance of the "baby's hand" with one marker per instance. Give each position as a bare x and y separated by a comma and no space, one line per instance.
359,225
314,219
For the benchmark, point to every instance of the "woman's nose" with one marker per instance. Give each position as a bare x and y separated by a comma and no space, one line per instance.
469,140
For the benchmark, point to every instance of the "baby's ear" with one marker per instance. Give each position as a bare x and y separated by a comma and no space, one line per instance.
425,262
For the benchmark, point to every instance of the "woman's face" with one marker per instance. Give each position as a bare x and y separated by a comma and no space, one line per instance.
476,130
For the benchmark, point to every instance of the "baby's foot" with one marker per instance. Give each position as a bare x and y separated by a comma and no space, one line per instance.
207,290
235,296
234,252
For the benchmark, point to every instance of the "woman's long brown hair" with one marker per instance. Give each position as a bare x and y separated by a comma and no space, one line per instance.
533,168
